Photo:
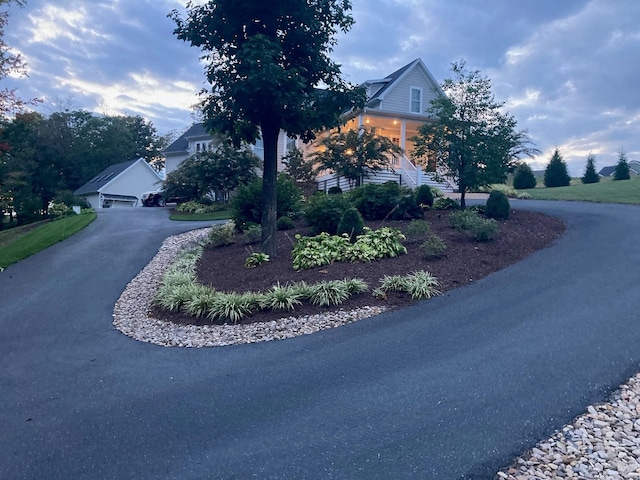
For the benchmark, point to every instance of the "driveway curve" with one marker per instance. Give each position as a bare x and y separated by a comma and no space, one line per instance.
450,388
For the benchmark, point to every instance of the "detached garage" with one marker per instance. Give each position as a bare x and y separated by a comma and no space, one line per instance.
120,185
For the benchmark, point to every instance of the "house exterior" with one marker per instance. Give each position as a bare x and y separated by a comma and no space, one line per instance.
609,171
120,185
197,139
397,105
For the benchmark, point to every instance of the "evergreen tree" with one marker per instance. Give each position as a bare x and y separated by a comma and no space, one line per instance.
590,174
622,168
524,177
556,174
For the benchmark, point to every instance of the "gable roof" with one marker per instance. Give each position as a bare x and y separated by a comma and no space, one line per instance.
181,144
390,81
607,171
106,176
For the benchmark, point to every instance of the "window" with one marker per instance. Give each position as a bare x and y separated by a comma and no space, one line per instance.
416,100
291,144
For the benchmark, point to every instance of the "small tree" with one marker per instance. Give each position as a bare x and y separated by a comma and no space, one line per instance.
297,167
556,174
622,168
356,154
590,174
524,177
473,140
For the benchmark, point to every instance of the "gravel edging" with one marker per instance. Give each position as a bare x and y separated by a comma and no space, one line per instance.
603,443
131,314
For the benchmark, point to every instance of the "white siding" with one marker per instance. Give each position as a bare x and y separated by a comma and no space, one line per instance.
173,162
397,99
136,179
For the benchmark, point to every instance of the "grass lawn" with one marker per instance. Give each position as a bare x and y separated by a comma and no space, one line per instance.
200,217
25,241
608,191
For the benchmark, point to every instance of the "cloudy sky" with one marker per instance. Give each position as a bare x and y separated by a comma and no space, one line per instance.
568,70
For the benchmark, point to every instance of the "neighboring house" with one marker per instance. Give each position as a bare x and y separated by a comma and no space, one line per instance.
197,139
120,185
634,169
397,105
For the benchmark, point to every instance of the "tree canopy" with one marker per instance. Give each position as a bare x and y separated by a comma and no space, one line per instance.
356,154
220,170
265,62
472,140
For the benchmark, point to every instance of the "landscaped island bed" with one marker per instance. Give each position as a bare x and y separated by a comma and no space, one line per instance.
464,261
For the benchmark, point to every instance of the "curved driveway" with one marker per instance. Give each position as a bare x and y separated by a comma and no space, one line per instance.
451,388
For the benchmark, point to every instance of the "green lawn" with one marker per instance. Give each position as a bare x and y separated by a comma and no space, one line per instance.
608,191
200,217
25,241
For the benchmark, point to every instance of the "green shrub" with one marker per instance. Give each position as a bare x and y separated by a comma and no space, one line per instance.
446,203
285,223
246,204
419,285
57,210
233,306
433,247
323,212
351,223
524,177
424,196
497,206
389,200
326,293
283,297
252,234
485,229
417,229
221,235
482,229
463,219
480,208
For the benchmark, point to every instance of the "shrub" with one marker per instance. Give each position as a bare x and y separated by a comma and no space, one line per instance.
334,190
323,212
221,235
485,229
252,234
57,210
497,205
524,177
417,229
389,200
246,205
463,219
351,223
482,229
233,306
433,247
419,285
332,292
285,223
424,196
283,297
255,259
446,203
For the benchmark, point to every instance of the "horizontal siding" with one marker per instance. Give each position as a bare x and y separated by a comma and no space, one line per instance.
397,99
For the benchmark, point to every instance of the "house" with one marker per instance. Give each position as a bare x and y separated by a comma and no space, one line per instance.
397,105
634,169
196,139
120,185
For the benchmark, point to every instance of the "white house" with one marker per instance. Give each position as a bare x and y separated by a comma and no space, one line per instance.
120,185
397,105
197,139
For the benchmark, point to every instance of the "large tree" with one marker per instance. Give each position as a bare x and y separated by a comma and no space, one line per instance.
556,173
472,140
265,62
590,174
622,167
356,154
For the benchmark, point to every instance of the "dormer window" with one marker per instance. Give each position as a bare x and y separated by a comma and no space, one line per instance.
416,100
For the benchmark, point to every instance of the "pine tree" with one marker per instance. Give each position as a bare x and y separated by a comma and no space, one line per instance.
590,175
556,174
524,177
622,168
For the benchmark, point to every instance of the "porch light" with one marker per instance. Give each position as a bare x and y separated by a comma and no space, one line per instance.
348,151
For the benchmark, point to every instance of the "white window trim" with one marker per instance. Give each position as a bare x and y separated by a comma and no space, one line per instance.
411,89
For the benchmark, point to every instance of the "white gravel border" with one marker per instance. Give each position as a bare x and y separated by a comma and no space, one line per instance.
131,314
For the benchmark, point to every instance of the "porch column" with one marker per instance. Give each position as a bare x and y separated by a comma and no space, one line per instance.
403,133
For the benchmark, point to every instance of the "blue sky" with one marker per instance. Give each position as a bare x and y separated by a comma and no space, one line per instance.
568,70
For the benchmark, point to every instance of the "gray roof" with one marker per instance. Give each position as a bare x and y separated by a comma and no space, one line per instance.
104,177
181,144
607,171
389,79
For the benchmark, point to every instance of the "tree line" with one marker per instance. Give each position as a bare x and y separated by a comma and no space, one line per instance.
46,158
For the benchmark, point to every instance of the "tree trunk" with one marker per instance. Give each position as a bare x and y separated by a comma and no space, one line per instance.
269,188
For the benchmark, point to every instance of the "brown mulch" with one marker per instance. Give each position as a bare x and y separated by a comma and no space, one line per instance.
465,261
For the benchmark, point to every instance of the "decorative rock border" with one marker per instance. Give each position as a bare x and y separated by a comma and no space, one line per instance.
131,314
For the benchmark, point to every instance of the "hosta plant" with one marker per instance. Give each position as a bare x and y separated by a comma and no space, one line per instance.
255,259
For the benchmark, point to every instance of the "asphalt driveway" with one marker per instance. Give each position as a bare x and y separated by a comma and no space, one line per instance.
450,388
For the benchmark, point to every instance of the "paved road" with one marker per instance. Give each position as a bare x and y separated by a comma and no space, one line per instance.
447,389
